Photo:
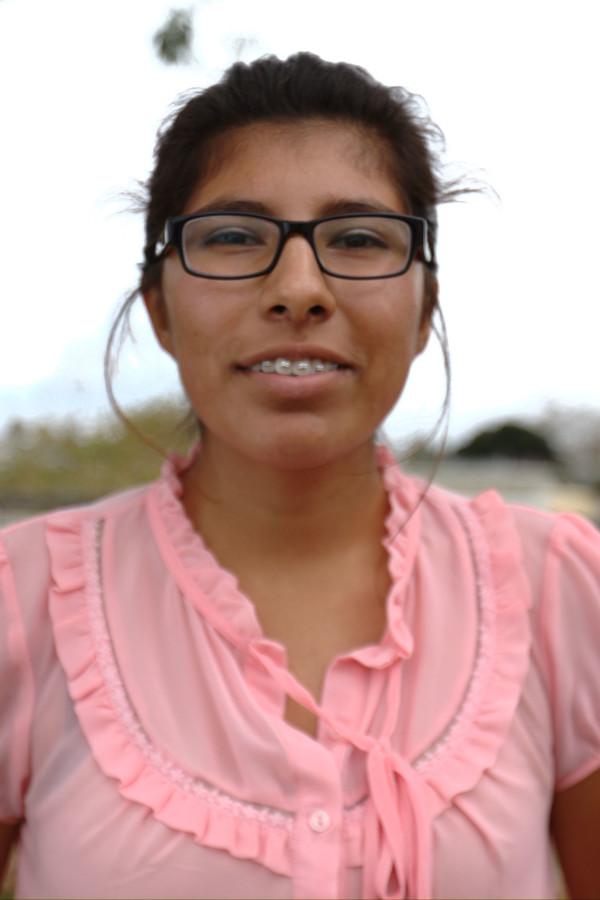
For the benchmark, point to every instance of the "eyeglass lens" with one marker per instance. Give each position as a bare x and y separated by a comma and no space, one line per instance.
230,245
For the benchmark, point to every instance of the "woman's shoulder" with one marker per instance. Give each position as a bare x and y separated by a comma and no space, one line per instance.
536,577
24,544
544,557
108,505
539,533
504,542
46,553
39,557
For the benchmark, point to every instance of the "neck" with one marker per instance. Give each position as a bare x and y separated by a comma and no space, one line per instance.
243,508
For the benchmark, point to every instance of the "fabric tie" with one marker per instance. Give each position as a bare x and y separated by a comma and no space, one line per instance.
397,857
397,848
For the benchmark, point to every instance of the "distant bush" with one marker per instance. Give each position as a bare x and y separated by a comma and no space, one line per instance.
45,464
510,441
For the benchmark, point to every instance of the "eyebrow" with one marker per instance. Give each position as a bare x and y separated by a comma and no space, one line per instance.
331,207
223,205
343,206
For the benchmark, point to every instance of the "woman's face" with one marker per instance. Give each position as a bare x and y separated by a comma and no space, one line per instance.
216,330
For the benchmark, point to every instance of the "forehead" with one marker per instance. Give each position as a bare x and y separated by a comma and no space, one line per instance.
320,150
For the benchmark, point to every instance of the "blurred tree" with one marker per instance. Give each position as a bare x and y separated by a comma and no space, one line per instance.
511,441
575,432
173,40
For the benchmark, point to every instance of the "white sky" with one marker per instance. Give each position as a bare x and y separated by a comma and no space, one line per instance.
513,85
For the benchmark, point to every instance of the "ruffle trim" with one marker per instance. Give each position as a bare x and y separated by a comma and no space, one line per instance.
121,748
453,765
211,589
215,592
473,739
402,527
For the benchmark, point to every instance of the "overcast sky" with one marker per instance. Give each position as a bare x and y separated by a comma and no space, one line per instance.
512,84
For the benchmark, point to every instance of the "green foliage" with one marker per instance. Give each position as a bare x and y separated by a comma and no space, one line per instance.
173,40
43,465
511,441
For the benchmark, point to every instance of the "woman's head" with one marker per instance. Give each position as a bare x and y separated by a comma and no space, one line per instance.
341,346
301,95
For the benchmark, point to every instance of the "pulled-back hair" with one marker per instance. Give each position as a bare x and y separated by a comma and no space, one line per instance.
302,87
299,88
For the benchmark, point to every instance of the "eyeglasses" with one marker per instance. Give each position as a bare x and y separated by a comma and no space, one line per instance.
243,245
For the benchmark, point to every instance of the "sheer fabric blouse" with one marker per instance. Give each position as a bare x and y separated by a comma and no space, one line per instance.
142,732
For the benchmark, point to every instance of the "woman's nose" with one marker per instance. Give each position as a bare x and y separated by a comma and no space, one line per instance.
296,289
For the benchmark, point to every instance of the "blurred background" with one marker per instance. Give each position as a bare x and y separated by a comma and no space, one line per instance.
84,86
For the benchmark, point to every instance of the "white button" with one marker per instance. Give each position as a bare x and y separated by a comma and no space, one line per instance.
319,820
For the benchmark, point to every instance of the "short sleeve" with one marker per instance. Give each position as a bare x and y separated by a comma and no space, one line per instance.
570,620
16,697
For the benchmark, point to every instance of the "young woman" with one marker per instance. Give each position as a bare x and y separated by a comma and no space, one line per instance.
286,669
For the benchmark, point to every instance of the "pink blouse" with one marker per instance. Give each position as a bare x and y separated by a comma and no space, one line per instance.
142,731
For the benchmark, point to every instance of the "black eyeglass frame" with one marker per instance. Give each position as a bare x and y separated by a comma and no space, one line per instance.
418,229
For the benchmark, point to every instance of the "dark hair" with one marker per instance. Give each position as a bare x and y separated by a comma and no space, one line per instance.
272,90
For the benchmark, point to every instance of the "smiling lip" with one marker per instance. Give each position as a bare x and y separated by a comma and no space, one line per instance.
294,352
316,386
307,387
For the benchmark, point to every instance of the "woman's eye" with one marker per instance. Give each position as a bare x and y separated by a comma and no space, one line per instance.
357,240
231,237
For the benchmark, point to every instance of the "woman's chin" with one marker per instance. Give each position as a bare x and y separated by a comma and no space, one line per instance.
295,453
289,458
290,449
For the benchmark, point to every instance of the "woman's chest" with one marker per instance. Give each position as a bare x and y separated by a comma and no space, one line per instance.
492,841
316,633
196,714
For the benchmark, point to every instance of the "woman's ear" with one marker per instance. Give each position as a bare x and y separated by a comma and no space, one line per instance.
159,317
430,300
424,332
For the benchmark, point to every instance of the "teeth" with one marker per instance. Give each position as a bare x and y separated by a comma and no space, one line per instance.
284,366
302,367
297,367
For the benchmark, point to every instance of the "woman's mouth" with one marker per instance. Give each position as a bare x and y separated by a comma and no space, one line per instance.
295,378
281,365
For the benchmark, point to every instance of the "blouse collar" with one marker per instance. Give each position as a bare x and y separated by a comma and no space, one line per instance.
215,591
